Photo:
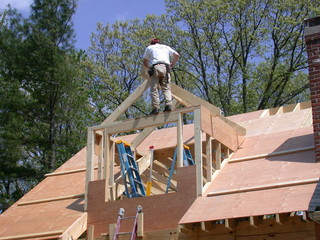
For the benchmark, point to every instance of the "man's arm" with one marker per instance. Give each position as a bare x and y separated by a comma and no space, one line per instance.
146,63
175,58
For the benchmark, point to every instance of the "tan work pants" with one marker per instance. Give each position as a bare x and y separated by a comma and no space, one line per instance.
160,78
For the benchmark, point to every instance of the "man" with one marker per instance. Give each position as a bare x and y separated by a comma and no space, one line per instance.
159,59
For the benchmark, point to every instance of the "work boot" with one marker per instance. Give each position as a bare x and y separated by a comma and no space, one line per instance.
167,108
154,111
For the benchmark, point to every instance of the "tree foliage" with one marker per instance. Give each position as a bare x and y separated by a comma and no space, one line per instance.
44,103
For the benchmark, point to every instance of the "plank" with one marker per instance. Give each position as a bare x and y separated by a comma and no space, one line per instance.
209,157
76,229
32,235
89,163
265,186
273,154
198,150
143,122
127,103
44,200
179,141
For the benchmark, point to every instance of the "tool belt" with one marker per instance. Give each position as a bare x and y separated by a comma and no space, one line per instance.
151,69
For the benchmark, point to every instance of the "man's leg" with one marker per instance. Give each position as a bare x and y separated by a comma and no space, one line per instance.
166,88
154,94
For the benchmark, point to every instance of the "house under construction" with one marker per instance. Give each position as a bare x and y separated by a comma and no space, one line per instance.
249,176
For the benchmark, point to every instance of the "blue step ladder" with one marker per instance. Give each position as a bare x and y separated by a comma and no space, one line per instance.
130,172
187,161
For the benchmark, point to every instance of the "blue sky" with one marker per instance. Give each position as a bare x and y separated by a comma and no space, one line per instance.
90,12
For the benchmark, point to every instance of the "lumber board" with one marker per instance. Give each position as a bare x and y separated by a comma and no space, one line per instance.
89,164
188,99
265,186
140,226
143,122
179,141
265,155
76,229
127,103
44,200
146,132
198,150
224,133
90,232
33,235
209,157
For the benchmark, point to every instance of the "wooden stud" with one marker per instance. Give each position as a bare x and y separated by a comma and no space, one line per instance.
143,122
198,149
140,226
107,165
112,229
100,158
207,226
217,152
90,164
111,168
90,232
209,157
254,221
229,224
179,141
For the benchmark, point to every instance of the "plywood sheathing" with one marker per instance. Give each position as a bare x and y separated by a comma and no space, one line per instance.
267,184
160,211
54,215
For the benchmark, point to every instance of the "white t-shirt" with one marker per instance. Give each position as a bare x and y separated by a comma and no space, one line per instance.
158,53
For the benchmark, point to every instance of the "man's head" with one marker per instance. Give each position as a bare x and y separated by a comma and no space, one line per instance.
154,41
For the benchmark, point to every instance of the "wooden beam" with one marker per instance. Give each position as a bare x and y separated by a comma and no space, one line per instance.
265,186
207,226
188,99
198,150
224,133
273,154
144,122
89,163
101,158
76,229
33,235
112,229
140,226
127,103
281,218
65,172
217,154
146,132
107,154
90,232
254,221
229,224
44,200
179,141
209,157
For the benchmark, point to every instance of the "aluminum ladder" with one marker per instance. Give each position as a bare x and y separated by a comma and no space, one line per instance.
121,217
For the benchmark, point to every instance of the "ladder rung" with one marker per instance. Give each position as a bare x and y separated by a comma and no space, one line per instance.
137,181
130,217
124,233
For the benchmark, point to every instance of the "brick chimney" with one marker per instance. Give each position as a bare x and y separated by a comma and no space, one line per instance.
312,39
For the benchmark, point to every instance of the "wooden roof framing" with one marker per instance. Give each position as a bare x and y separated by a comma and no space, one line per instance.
276,156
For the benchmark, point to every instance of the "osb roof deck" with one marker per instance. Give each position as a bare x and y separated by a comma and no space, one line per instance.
273,171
